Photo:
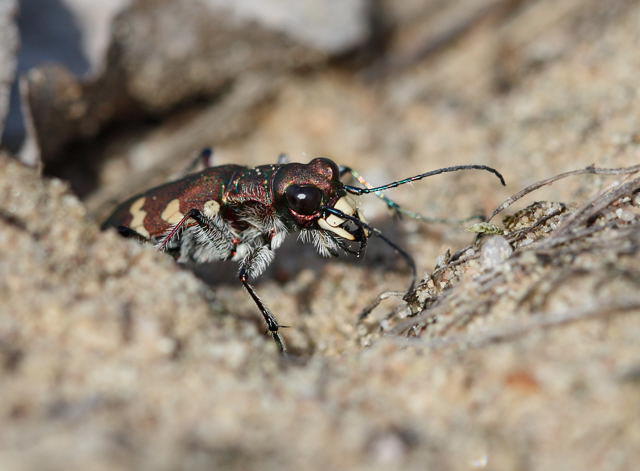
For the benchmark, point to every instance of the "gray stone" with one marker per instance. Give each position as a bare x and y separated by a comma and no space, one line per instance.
163,54
8,47
332,26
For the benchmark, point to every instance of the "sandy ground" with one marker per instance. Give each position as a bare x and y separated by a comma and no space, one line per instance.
517,350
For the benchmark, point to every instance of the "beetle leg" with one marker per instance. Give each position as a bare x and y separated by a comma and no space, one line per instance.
214,240
197,216
247,266
129,233
251,266
205,156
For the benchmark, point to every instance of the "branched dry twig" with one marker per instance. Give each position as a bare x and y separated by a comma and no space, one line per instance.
556,240
607,307
376,302
598,204
520,233
588,170
575,235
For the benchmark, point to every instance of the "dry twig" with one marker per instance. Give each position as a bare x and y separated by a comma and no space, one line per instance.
607,307
588,170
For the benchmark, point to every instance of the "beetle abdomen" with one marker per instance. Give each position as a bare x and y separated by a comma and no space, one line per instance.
152,213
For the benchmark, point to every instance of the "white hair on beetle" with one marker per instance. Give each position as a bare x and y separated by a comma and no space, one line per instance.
324,244
257,261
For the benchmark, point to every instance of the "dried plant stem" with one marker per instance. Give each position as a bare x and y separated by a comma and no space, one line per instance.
588,170
607,307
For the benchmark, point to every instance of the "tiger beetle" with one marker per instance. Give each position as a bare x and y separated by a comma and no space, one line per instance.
233,212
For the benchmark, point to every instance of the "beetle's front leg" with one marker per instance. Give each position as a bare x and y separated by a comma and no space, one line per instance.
251,267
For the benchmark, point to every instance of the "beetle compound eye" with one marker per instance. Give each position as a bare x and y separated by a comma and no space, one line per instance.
304,199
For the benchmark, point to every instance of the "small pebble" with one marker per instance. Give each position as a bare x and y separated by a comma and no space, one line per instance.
495,250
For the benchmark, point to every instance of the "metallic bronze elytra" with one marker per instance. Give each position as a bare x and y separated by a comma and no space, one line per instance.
232,212
143,212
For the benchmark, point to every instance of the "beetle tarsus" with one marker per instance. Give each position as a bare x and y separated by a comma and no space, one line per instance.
269,318
129,233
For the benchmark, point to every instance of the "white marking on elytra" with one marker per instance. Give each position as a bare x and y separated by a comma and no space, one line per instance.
137,223
211,208
171,213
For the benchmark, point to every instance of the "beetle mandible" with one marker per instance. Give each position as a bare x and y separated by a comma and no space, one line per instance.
233,212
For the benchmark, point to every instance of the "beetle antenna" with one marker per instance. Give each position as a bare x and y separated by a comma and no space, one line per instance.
354,190
363,225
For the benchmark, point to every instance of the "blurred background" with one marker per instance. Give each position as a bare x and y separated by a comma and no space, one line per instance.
116,96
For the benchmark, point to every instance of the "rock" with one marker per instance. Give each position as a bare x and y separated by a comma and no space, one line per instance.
8,48
163,54
495,250
331,26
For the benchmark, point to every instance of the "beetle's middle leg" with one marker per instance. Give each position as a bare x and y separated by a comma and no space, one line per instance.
251,266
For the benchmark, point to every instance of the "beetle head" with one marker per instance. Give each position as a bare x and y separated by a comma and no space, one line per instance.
301,191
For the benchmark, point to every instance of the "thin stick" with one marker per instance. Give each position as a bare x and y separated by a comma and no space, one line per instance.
376,302
598,204
514,330
520,233
588,170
